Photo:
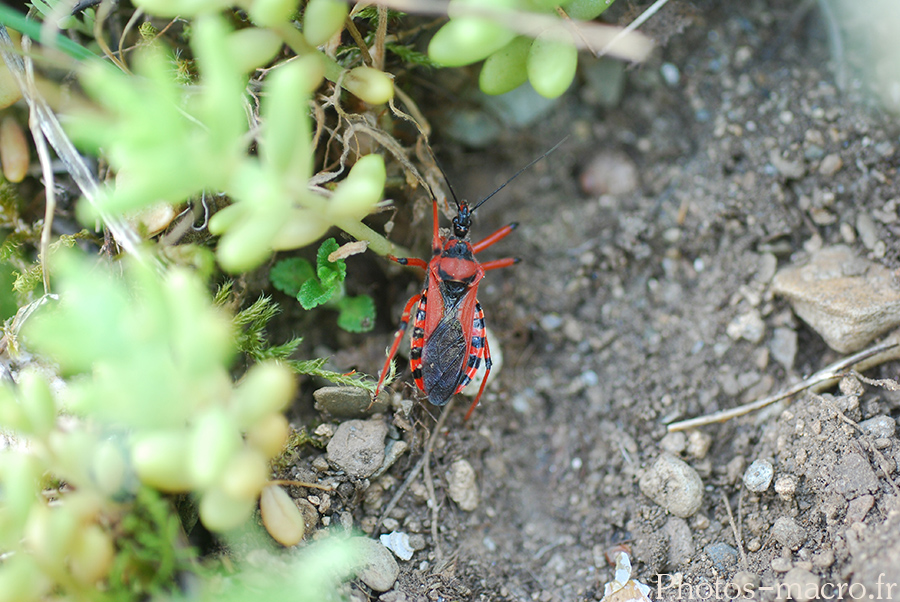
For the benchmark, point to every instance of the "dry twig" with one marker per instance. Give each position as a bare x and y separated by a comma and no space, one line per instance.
878,354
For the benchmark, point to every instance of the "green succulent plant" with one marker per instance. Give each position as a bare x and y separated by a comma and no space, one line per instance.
480,31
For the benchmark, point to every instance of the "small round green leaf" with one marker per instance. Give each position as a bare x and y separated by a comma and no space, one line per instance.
506,70
552,61
467,40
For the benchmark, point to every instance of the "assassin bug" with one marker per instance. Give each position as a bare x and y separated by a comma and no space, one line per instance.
448,337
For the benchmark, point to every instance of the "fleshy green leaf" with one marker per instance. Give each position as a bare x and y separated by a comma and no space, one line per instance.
288,275
313,293
331,273
357,313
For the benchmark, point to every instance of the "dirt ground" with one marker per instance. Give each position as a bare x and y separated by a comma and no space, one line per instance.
616,323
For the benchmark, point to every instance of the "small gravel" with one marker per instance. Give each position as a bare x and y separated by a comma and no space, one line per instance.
758,476
357,447
674,485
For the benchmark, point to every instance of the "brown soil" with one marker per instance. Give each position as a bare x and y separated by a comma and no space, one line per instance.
615,324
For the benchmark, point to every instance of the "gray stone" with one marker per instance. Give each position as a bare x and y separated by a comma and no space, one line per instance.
349,402
831,164
879,426
722,555
783,347
462,485
674,443
792,170
758,476
375,565
395,448
786,487
788,533
846,299
858,508
674,485
749,326
357,447
867,230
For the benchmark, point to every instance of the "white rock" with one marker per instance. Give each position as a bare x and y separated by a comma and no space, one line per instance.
398,543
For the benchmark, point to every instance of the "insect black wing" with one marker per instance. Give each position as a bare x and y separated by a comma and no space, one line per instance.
442,360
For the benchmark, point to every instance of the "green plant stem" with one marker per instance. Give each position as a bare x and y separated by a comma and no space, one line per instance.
377,243
295,40
333,71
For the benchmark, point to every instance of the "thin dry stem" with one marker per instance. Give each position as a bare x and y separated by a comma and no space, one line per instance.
878,354
82,175
414,474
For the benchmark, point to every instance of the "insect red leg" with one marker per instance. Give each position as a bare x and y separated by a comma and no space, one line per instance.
499,263
487,371
398,336
413,261
493,238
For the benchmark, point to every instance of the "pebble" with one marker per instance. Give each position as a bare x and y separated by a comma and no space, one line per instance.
793,170
722,555
674,443
831,164
781,565
801,585
768,264
867,231
858,508
395,448
879,426
758,476
349,402
670,74
788,533
848,300
376,566
398,543
462,485
786,487
550,322
357,447
783,347
674,485
823,560
749,326
609,172
698,444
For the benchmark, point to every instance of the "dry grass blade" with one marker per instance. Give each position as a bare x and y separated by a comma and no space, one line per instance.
51,129
630,45
878,354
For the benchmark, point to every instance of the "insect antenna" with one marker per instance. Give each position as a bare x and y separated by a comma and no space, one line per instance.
517,174
446,179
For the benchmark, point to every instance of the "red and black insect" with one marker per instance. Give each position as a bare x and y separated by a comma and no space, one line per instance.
448,337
